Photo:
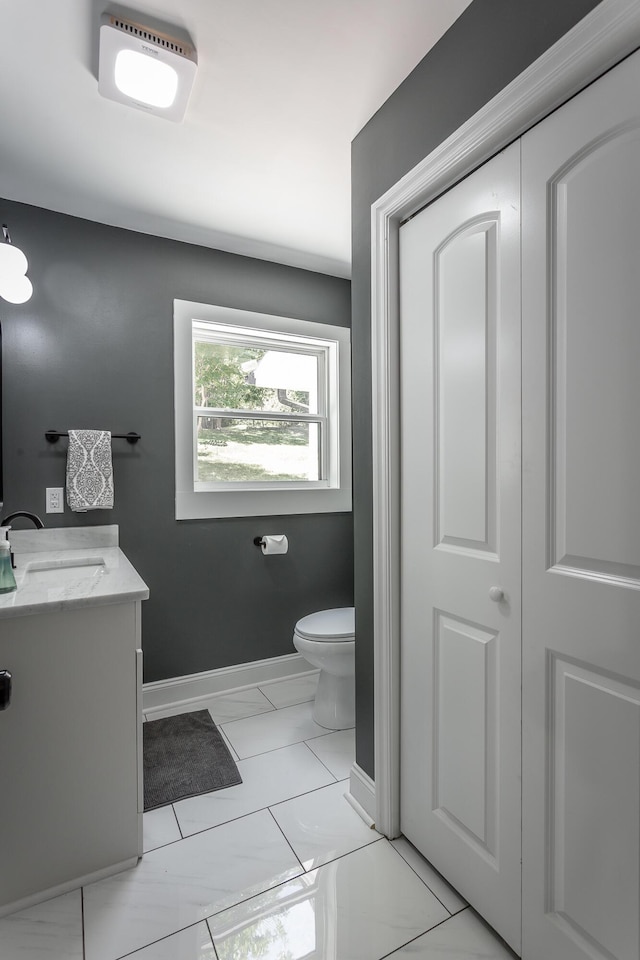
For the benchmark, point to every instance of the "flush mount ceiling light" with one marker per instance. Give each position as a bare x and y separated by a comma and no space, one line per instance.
15,286
145,68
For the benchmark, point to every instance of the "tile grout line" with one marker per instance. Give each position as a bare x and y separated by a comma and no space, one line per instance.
277,803
222,694
327,863
425,882
175,815
296,703
262,753
337,779
215,952
307,793
307,744
281,709
287,841
424,932
253,896
152,943
232,749
270,701
246,716
305,873
274,887
298,877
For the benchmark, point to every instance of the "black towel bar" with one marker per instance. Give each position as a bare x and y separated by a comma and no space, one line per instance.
54,435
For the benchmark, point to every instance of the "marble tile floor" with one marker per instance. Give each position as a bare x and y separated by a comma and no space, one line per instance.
278,866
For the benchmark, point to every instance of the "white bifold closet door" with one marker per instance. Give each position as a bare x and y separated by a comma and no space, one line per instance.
581,529
460,601
461,672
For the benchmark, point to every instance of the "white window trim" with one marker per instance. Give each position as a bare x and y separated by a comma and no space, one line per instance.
331,495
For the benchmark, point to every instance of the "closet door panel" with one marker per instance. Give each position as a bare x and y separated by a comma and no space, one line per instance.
460,644
596,350
593,737
581,526
465,408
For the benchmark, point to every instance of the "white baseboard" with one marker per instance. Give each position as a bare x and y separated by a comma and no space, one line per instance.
362,795
67,887
161,694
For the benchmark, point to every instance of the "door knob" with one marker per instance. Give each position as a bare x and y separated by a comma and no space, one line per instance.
496,594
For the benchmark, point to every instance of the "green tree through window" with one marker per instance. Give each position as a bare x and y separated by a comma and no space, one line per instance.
220,380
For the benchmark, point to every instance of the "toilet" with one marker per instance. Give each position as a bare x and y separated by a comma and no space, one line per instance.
327,640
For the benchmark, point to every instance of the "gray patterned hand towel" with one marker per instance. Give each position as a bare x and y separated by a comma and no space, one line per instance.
89,470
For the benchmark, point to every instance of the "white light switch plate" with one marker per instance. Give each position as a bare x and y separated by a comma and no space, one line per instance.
55,499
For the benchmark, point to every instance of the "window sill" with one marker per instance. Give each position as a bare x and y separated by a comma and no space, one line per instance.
253,503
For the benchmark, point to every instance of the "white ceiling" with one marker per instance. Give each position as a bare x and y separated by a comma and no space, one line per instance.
261,163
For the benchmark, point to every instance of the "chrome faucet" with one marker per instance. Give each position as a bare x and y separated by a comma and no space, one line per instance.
6,522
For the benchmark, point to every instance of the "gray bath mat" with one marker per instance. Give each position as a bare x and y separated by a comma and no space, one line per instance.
184,756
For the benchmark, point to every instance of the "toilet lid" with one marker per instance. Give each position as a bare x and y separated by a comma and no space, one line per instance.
337,624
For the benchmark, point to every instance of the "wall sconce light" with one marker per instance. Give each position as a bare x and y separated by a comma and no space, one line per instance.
15,286
145,68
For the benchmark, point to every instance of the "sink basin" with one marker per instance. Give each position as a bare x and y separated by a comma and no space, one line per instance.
55,572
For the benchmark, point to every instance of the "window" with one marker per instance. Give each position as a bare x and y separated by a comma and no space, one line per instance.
262,414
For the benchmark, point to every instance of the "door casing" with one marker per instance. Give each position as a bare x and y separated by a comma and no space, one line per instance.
603,38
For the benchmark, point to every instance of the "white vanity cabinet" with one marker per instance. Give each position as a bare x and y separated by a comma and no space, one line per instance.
70,744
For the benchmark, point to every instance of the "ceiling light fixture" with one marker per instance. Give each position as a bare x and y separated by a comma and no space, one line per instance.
15,286
145,68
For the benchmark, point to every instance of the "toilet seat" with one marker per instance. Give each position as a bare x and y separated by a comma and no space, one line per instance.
328,625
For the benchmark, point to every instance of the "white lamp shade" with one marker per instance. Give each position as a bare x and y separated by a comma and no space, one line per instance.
15,288
14,285
12,261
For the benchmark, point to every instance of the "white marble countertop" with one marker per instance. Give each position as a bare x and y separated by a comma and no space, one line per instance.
66,568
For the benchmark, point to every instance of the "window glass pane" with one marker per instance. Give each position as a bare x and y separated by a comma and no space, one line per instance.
257,450
229,377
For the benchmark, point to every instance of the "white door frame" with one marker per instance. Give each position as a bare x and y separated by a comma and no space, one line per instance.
601,39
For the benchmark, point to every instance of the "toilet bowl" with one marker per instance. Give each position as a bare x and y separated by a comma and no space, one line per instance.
327,640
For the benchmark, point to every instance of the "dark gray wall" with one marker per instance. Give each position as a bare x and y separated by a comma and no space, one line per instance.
94,348
488,46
